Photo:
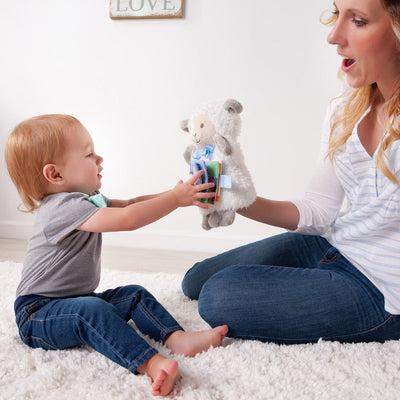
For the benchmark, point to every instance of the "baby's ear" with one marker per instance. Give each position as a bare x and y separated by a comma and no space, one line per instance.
51,173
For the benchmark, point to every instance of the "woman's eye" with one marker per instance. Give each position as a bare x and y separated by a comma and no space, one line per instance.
359,22
90,155
201,125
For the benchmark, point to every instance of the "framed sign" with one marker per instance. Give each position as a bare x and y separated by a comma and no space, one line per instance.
120,9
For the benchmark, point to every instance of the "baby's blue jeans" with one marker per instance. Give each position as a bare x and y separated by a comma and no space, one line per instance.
290,288
99,320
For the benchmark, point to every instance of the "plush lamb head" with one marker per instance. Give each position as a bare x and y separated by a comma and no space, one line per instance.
214,129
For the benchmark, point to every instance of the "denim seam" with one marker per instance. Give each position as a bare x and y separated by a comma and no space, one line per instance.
329,338
121,299
26,338
163,329
361,332
22,317
28,311
379,325
168,331
141,359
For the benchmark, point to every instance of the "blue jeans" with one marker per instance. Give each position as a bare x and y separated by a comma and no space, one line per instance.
99,320
290,288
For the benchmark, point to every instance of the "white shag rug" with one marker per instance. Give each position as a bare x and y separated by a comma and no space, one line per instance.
238,370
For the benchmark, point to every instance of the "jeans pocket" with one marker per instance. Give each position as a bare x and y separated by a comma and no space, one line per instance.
331,256
25,323
25,331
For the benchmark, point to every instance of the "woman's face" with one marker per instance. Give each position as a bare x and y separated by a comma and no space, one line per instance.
365,39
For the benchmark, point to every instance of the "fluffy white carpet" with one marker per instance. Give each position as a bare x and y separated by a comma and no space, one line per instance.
238,370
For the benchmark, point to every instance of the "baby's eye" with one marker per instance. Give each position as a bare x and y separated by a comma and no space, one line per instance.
201,125
90,155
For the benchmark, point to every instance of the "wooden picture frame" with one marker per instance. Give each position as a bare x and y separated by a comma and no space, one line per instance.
131,9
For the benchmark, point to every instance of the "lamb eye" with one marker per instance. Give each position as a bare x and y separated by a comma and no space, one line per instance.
201,125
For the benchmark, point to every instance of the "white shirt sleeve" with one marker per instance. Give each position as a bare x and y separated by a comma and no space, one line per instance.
324,195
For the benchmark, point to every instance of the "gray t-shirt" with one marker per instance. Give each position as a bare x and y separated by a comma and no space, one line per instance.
62,261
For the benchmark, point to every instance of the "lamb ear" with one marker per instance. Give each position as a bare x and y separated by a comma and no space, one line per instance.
185,125
187,154
233,106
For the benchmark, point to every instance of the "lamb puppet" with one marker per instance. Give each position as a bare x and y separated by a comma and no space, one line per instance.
214,128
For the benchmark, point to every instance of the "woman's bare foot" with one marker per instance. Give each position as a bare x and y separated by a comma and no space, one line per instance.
164,373
192,343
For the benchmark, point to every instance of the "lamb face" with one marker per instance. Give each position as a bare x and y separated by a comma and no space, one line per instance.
202,130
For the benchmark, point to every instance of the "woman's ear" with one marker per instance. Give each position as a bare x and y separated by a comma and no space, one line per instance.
51,174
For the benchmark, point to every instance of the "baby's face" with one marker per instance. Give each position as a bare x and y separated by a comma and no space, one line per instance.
80,166
202,130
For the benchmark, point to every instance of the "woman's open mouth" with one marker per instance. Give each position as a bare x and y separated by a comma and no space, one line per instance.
347,64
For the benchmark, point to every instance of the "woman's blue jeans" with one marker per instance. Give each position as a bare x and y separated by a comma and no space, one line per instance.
99,320
290,288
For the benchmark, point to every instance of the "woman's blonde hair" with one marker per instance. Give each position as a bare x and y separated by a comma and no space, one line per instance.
358,100
32,144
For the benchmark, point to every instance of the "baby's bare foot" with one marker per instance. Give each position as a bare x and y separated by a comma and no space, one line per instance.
192,343
164,373
166,378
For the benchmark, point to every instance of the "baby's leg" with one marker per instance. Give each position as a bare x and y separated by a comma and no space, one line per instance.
88,320
136,303
192,343
164,373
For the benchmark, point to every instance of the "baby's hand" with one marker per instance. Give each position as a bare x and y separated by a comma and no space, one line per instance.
187,193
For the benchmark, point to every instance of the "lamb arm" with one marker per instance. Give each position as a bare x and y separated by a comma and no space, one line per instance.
188,153
223,144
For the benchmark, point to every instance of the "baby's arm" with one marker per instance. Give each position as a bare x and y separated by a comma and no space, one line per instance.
124,203
151,209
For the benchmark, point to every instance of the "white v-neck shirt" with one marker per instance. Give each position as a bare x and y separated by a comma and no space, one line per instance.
367,231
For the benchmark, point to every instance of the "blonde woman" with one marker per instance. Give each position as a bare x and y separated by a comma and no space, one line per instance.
336,276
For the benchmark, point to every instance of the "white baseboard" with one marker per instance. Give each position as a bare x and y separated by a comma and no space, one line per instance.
208,242
15,230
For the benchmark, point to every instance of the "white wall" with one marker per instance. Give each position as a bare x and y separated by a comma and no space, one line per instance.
130,82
